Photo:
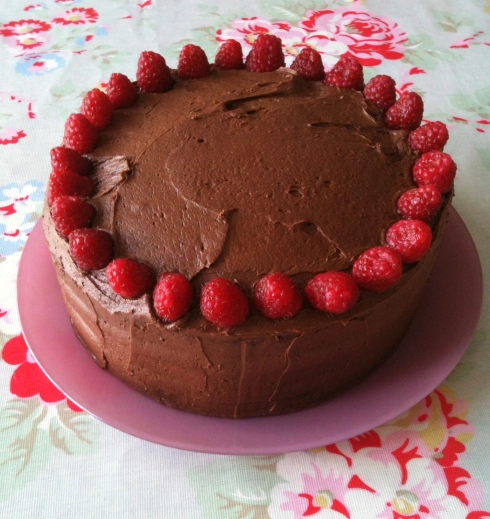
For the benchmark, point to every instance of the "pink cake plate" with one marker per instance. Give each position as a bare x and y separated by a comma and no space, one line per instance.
435,342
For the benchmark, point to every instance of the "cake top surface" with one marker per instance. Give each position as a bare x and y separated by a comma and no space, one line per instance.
239,174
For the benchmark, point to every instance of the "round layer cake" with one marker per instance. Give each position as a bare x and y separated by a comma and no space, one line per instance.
237,175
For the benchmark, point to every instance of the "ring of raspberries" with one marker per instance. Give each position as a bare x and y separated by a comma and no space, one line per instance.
275,296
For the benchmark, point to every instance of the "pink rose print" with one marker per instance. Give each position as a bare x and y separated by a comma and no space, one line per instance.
320,486
436,413
371,39
410,484
332,33
246,31
22,27
421,452
28,381
293,39
77,16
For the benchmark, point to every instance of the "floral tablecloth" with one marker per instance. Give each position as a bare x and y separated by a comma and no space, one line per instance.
433,461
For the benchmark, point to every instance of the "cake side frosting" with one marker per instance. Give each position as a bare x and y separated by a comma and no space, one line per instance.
262,367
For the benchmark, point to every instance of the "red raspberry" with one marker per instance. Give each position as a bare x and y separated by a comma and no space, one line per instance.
421,203
429,137
66,159
229,56
381,91
91,249
121,91
437,168
129,278
172,296
223,303
333,292
80,134
266,54
276,296
97,108
70,213
193,63
410,238
377,269
309,65
346,73
153,75
68,184
406,113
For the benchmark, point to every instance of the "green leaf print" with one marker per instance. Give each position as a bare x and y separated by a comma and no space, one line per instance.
421,51
285,10
449,22
106,56
24,446
482,95
478,104
74,433
29,432
485,158
63,89
241,484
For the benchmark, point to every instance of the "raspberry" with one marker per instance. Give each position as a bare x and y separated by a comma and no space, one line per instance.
377,269
70,213
410,238
309,65
429,137
406,113
346,73
172,296
437,168
223,303
276,297
121,91
68,184
193,63
266,54
333,292
153,74
66,159
129,278
91,249
229,56
421,203
80,134
381,91
97,108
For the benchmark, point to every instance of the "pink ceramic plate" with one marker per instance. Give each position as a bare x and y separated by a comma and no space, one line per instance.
436,341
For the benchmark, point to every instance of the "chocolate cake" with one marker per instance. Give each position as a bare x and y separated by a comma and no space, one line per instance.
237,175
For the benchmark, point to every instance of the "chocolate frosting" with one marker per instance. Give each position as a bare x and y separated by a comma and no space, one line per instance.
240,174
